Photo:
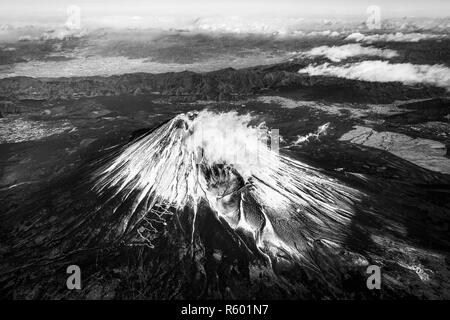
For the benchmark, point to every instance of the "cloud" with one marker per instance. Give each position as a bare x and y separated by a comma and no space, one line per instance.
296,27
324,33
31,33
338,53
383,71
392,37
62,34
237,24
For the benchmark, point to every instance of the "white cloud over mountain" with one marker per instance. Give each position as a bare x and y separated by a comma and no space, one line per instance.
383,71
339,53
392,37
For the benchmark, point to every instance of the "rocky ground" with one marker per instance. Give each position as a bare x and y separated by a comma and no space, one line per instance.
387,139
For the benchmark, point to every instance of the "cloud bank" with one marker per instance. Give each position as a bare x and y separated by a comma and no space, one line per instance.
392,37
383,71
339,53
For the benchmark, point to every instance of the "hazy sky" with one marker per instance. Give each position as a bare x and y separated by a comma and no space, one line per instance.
53,10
